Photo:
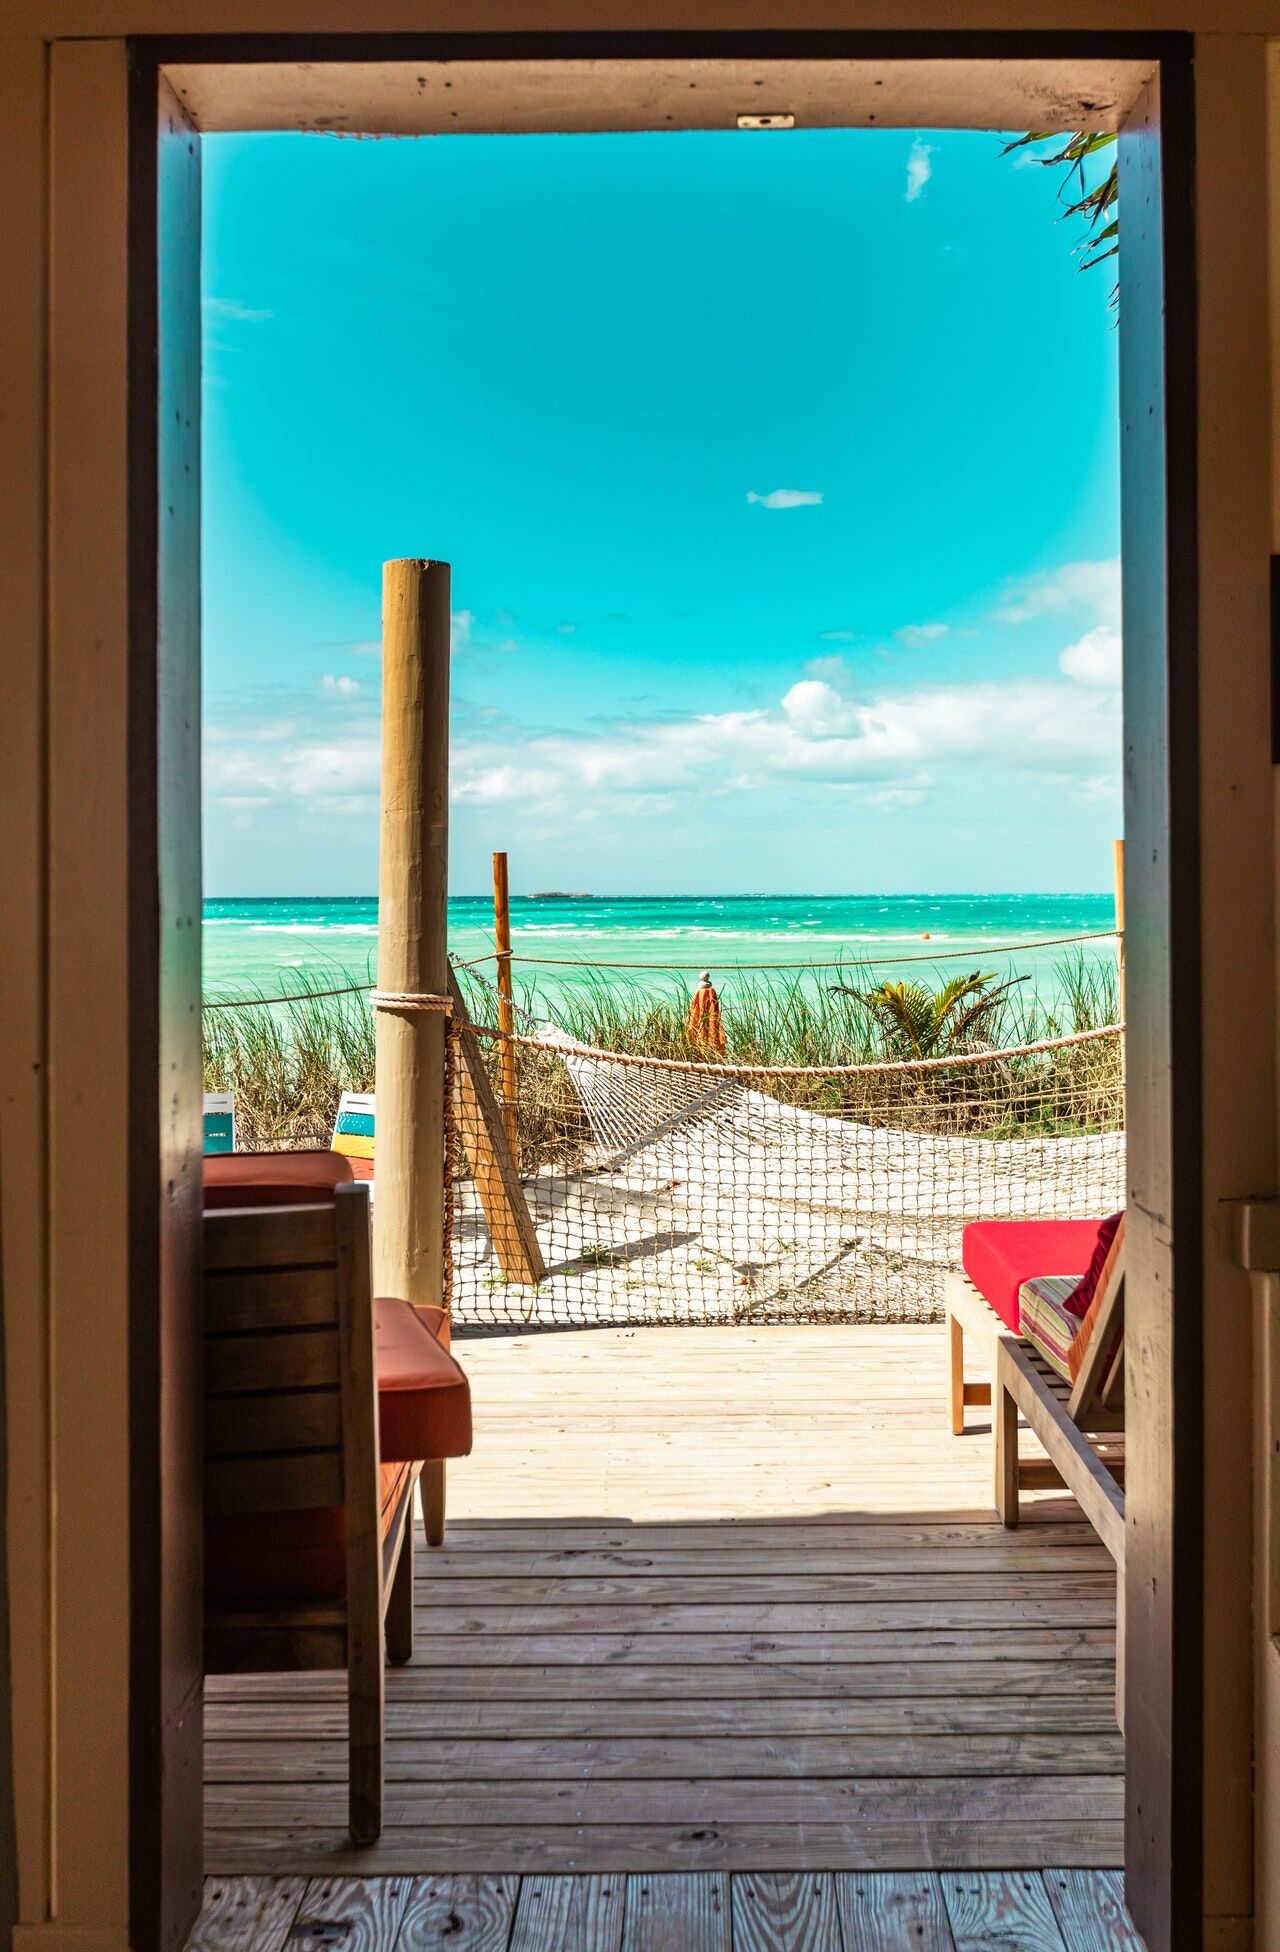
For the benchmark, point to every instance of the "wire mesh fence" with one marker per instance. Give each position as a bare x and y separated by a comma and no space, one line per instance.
655,1181
670,1191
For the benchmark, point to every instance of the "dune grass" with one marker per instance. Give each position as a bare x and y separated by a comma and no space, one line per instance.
289,1063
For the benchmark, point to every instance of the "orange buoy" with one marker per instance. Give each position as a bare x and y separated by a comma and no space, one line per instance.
704,1024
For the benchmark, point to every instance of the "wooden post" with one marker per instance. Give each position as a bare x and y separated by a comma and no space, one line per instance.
1117,850
412,916
497,1177
506,1013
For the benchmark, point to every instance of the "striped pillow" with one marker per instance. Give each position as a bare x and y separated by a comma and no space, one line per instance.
1045,1321
1107,1277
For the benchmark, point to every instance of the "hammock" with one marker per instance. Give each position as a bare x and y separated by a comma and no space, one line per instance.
668,1193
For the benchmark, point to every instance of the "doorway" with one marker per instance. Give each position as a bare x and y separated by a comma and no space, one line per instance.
1158,381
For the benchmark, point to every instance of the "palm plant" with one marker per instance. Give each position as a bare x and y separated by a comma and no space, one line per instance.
1099,206
918,1022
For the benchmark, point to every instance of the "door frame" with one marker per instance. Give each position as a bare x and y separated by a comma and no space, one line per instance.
1165,1795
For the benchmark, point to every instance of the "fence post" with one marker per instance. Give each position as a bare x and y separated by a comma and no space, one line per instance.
506,1013
413,886
1117,850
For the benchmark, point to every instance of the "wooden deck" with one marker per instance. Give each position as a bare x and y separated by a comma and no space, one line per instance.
712,1601
959,1911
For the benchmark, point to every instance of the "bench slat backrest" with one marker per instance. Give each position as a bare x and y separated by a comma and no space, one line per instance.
290,1409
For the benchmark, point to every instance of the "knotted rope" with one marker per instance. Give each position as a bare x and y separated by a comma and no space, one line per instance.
423,1000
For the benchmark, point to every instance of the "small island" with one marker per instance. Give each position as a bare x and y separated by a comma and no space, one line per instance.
561,894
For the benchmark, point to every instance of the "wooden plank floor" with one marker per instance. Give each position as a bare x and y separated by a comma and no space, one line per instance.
708,1911
712,1601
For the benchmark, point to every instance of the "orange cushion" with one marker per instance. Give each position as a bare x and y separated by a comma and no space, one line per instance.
279,1555
424,1399
272,1178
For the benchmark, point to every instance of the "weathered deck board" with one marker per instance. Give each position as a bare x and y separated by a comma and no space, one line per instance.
715,1601
747,1911
557,1912
247,1914
1090,1911
655,1847
884,1911
991,1913
462,1914
773,1909
688,1913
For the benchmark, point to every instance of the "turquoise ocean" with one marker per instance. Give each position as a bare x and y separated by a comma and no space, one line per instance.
559,941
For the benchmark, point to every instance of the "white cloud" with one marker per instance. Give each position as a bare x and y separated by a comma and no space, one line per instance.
565,630
786,498
1027,159
333,774
1091,586
919,168
892,798
816,709
231,308
836,636
832,667
461,623
1095,659
340,687
890,746
914,635
817,732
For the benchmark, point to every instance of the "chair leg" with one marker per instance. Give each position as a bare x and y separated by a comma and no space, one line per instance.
365,1737
956,1354
1006,1422
432,1486
400,1603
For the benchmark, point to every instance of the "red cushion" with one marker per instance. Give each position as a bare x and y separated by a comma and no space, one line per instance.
999,1255
272,1178
277,1555
424,1400
1077,1302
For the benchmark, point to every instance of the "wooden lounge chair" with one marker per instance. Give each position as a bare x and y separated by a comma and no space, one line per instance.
1007,1254
309,1539
433,1415
1080,1424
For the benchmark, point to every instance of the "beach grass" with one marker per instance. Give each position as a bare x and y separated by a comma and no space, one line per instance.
288,1063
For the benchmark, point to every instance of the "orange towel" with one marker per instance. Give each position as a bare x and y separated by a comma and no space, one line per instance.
704,1024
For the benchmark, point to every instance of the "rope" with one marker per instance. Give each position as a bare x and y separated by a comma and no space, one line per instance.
490,955
300,996
843,962
657,968
412,1000
594,1052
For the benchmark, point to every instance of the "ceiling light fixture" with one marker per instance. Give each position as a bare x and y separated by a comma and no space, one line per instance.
766,121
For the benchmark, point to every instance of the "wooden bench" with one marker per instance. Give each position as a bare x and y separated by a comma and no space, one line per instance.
309,1539
1080,1426
968,1312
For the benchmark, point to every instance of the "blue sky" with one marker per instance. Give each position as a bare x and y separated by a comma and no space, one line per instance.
779,476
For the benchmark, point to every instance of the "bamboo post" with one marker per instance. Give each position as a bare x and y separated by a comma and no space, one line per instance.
1117,849
413,882
506,997
1117,862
